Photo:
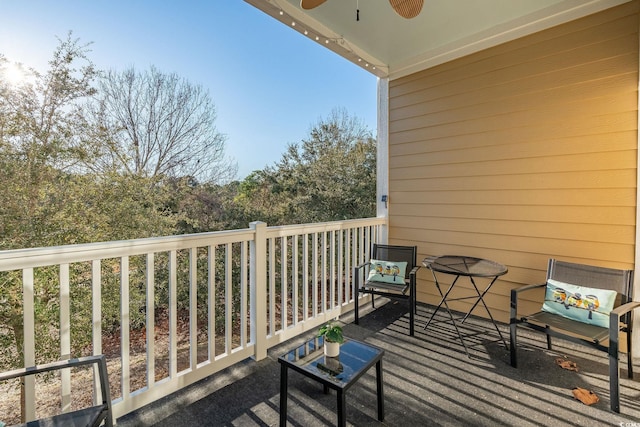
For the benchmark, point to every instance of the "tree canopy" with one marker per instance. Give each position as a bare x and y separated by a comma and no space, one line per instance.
330,175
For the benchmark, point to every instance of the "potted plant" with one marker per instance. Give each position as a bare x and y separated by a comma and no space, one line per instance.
333,337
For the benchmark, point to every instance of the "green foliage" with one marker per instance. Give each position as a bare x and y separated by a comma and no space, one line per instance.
205,206
331,332
328,177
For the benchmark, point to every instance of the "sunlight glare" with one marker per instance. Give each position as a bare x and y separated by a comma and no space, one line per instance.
14,74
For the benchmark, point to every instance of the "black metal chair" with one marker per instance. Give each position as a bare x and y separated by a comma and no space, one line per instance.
404,289
92,416
602,338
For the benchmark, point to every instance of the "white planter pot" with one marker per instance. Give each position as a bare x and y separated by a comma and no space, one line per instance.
331,349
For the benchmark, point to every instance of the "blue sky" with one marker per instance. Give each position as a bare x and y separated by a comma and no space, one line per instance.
269,83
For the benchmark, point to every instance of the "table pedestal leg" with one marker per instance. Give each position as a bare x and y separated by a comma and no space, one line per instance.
283,395
446,306
481,300
380,390
443,295
342,408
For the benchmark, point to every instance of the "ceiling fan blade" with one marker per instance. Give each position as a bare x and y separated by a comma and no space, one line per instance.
310,4
407,8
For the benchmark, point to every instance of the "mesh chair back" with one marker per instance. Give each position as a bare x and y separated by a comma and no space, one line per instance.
594,277
408,254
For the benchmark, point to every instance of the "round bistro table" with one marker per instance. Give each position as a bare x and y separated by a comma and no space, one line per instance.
464,266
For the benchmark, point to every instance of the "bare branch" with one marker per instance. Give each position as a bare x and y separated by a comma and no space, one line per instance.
161,125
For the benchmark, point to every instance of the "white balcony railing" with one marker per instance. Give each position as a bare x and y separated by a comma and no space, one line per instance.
218,298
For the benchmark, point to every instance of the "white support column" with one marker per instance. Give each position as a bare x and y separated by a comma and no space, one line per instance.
228,298
96,320
636,277
29,345
243,293
272,286
382,157
65,336
150,319
258,289
211,301
284,274
294,279
305,277
125,321
173,314
193,308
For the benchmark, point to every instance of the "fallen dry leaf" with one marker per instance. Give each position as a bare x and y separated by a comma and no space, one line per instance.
567,364
585,396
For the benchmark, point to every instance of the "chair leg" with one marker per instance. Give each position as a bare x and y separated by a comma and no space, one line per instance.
411,314
513,347
356,294
629,353
549,342
614,369
513,328
614,380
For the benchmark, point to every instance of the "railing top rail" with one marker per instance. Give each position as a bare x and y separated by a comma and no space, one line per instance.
290,230
38,257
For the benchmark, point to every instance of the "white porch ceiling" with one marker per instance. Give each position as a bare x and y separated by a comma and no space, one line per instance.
391,46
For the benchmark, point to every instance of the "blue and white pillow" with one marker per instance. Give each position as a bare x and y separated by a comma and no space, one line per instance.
587,305
387,271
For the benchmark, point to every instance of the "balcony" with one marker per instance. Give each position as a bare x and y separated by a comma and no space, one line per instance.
202,319
428,380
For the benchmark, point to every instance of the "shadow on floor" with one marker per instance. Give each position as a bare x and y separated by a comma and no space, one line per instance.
428,380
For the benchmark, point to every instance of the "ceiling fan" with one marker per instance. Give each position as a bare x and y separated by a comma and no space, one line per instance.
405,8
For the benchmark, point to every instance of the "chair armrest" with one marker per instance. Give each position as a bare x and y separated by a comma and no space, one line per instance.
99,360
514,299
614,328
356,275
412,275
361,266
48,367
624,308
616,314
527,288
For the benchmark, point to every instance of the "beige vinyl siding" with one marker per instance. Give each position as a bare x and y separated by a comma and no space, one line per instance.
521,152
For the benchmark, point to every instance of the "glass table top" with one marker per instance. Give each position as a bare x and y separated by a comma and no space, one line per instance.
465,266
355,357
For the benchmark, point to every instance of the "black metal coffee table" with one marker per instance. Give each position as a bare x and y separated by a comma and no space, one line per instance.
337,373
